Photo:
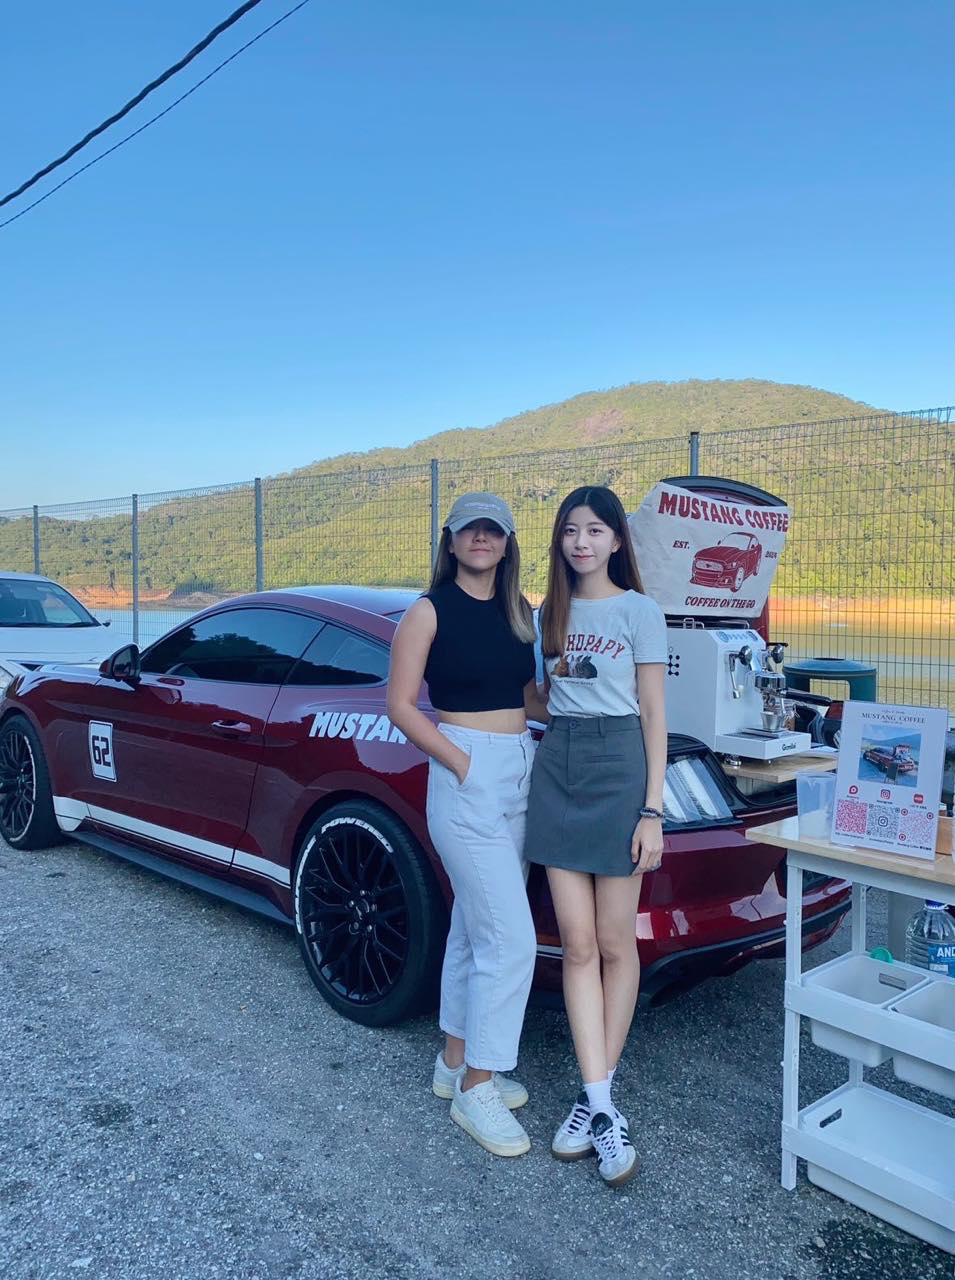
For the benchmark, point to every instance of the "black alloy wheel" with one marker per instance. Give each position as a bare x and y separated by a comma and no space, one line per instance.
27,820
370,916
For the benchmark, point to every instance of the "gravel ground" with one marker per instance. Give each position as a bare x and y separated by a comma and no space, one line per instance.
177,1101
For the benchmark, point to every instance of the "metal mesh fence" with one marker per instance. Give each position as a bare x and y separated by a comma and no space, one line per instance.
370,527
868,571
16,540
196,547
869,567
88,548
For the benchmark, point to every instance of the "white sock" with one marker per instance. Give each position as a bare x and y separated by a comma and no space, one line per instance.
598,1096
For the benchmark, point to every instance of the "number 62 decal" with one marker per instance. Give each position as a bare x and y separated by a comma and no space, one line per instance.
101,751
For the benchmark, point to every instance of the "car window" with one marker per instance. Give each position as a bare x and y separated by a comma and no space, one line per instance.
340,657
244,646
25,603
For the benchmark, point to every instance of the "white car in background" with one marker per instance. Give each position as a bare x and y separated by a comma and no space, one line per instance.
41,622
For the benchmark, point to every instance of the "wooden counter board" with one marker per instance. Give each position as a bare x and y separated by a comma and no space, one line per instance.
782,770
785,834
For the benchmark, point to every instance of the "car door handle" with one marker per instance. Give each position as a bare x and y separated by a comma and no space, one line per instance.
231,727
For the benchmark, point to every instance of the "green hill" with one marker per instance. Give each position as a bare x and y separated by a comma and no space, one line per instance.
622,415
365,518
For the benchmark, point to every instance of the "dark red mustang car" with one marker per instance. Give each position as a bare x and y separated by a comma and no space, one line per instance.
734,559
248,753
892,760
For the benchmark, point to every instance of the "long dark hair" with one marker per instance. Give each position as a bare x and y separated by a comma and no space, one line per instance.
507,583
561,578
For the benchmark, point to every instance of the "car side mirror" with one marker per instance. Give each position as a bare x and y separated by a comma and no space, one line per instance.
123,665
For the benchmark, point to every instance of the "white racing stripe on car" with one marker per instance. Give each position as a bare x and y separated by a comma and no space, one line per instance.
262,867
178,839
544,950
69,813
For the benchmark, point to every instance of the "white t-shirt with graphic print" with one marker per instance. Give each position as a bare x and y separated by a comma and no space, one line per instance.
605,640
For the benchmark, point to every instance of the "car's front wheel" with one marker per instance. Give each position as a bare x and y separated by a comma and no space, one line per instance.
27,820
739,579
370,915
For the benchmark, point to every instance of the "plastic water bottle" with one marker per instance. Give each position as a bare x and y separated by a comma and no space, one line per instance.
930,939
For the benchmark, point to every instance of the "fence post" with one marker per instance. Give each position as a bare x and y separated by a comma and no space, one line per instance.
259,548
694,453
36,539
435,526
135,517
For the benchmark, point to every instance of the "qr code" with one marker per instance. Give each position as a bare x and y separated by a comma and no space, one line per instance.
883,822
851,817
915,828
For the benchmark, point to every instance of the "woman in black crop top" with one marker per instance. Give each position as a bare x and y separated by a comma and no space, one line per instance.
471,637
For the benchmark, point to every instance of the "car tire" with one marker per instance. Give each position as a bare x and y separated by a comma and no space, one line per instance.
739,579
27,820
369,913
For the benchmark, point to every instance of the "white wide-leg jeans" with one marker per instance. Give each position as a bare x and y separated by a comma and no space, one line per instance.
477,828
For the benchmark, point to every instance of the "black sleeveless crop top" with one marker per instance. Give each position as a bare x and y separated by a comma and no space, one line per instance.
476,662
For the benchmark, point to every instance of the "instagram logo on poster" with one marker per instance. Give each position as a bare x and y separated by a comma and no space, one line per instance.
885,793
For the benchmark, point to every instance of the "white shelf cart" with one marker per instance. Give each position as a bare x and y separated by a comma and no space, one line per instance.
889,1156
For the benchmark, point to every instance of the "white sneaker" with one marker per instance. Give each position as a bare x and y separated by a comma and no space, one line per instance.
513,1094
572,1140
616,1158
481,1113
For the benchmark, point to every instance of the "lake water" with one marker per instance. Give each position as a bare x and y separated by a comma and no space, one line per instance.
916,669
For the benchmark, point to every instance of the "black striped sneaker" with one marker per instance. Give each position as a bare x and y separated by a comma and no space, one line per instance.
616,1158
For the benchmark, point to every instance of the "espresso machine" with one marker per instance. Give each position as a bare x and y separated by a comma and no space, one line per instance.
722,687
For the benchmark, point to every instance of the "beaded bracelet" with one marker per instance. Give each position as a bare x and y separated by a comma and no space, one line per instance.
647,812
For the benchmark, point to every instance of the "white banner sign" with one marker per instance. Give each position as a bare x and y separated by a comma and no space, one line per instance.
707,555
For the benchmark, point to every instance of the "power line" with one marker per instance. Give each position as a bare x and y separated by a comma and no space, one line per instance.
129,137
134,102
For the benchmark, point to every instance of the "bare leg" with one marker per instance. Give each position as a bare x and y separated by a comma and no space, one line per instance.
453,1052
472,1077
573,896
617,900
454,1049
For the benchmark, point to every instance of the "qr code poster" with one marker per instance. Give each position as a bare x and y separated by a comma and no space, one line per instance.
889,779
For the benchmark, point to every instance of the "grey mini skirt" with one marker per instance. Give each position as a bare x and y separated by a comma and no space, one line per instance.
588,785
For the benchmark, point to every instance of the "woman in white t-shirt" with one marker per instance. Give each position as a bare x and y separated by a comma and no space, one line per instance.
595,811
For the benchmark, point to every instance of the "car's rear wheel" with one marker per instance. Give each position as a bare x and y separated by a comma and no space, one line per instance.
27,820
370,916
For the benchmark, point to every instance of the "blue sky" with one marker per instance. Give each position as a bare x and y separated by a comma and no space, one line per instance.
389,219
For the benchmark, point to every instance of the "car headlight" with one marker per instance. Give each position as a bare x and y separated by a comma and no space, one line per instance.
6,680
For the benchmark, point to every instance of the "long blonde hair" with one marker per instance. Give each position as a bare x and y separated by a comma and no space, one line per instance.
507,583
561,578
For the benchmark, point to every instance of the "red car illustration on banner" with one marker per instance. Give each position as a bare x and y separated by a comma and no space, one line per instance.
734,559
249,753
